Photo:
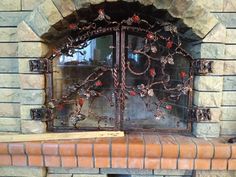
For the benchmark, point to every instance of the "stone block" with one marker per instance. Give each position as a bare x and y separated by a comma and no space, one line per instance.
74,170
9,110
9,65
228,127
8,34
229,6
228,113
178,8
230,51
230,36
125,171
217,34
24,65
229,83
206,129
8,49
12,5
172,172
212,5
10,124
12,19
229,98
22,171
59,175
85,3
214,173
25,33
65,7
30,81
25,111
30,4
38,23
32,49
208,83
227,19
207,50
32,96
200,19
10,95
216,114
49,11
230,68
9,80
31,126
207,99
217,67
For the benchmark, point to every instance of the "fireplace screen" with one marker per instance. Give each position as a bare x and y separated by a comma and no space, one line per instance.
120,71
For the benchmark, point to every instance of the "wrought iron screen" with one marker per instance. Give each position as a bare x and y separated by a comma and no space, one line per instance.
120,69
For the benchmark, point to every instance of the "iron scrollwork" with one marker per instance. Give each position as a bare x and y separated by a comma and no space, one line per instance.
200,114
155,42
203,67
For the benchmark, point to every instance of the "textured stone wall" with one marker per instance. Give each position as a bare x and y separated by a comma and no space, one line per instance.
21,28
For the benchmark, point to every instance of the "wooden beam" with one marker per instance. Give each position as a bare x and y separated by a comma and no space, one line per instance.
59,136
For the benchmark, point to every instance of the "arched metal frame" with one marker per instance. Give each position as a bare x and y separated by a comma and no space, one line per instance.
157,35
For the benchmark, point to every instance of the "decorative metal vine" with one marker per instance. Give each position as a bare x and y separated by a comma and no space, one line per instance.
161,45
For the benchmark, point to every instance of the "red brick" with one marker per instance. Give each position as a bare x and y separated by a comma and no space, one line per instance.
152,146
5,160
3,148
185,164
187,148
19,160
205,149
232,164
136,151
119,152
68,161
35,160
33,148
85,162
50,149
16,148
222,150
102,152
67,149
202,164
219,164
152,163
84,148
170,148
233,148
168,164
52,161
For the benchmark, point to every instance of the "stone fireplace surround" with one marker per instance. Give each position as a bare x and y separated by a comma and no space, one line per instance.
134,151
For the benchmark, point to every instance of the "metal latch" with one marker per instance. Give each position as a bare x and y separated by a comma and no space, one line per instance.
40,114
40,65
200,114
202,67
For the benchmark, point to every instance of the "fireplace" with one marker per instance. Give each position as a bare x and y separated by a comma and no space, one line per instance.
119,66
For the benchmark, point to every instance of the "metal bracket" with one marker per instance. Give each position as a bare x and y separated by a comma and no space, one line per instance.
40,65
232,140
40,114
202,67
200,114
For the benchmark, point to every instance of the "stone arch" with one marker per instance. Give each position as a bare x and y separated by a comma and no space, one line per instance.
40,23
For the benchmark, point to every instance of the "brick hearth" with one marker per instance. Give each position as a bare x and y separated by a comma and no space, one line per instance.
134,151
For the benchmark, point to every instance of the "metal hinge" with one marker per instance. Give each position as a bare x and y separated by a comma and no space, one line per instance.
40,65
202,67
200,114
40,114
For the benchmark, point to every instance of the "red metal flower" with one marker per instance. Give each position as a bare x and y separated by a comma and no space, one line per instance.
98,83
81,102
152,72
150,36
182,74
132,93
101,11
72,26
169,107
169,44
135,18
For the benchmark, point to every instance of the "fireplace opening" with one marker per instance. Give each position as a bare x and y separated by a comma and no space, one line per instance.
120,66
